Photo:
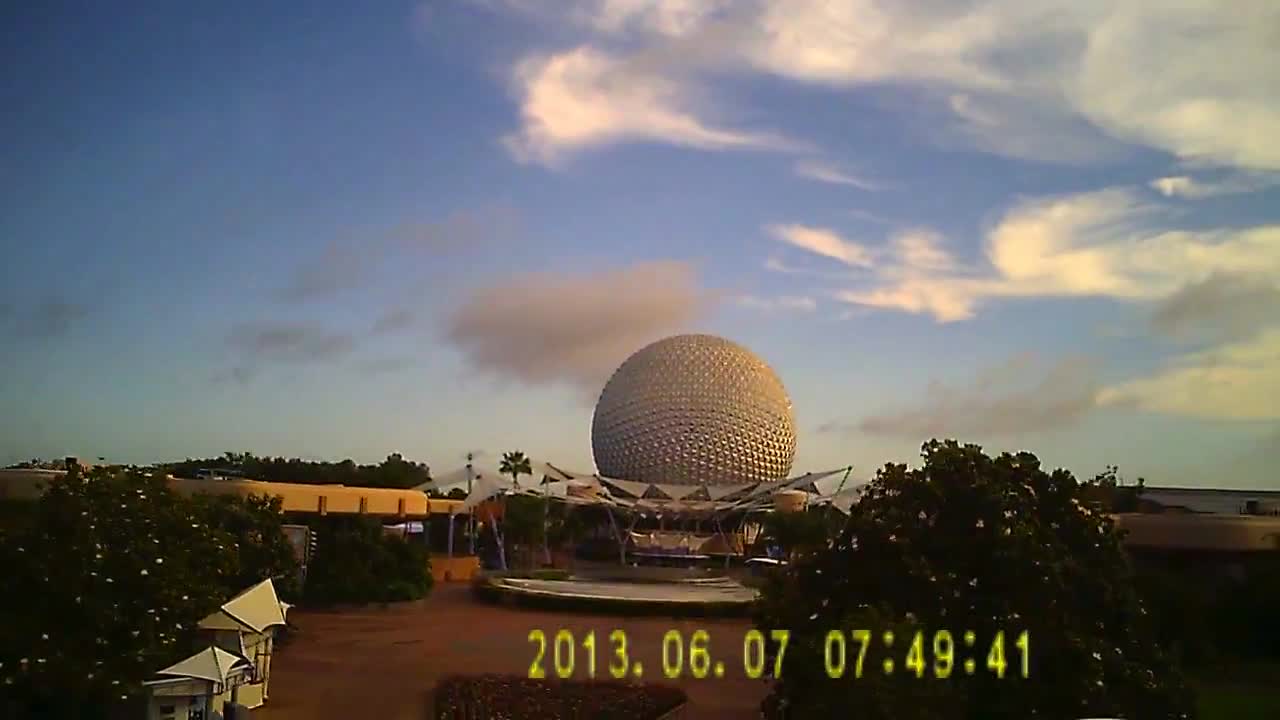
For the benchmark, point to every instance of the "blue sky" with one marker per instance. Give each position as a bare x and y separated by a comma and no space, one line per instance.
339,230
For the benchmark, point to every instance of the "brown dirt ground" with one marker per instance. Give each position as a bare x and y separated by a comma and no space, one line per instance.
381,663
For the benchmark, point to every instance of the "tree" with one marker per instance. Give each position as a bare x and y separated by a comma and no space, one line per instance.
357,562
1108,492
967,542
802,532
394,471
515,464
256,526
114,570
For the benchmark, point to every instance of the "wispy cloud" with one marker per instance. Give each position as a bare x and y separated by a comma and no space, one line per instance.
48,319
1101,244
822,241
584,98
1185,186
1042,79
1222,307
827,173
872,217
1237,381
780,303
394,320
352,264
289,342
1021,395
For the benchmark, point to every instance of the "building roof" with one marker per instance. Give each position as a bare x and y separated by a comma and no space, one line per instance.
255,609
213,664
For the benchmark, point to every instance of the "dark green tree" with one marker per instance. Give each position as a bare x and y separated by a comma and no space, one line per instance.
1108,492
256,526
522,525
968,542
105,586
111,571
806,531
357,562
393,472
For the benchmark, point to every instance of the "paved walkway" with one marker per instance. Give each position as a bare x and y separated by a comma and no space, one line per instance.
382,662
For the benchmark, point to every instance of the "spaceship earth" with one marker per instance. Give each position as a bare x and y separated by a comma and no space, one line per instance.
694,409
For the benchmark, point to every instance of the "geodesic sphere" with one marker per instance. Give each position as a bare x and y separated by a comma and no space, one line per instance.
694,409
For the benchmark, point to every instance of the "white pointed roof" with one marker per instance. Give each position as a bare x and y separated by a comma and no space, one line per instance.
256,609
212,663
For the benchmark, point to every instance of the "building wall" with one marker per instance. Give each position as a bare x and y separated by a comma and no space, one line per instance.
296,497
454,569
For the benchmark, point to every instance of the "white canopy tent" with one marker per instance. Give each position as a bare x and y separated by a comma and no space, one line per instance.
834,487
622,498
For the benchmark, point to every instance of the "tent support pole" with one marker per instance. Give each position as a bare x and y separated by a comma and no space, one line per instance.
450,533
622,546
502,547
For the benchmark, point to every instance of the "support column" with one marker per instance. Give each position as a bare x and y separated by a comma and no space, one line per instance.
451,532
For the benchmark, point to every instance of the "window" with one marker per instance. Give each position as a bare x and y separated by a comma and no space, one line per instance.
167,711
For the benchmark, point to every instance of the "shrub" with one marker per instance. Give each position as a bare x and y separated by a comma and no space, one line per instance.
356,562
970,542
517,698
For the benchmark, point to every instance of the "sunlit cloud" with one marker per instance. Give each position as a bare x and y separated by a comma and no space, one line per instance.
1048,80
824,172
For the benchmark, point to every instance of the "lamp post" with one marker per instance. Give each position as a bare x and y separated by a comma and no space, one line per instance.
471,516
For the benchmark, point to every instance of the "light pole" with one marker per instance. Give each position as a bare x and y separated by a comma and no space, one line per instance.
471,516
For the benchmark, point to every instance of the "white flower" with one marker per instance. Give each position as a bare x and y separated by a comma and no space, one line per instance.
144,571
159,561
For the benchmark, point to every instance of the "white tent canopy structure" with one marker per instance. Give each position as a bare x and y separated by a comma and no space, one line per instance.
213,664
834,487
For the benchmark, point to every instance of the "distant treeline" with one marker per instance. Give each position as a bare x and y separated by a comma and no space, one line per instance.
394,472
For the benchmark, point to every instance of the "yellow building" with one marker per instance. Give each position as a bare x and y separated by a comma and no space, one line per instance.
28,484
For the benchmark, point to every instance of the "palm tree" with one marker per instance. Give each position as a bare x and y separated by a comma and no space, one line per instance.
515,464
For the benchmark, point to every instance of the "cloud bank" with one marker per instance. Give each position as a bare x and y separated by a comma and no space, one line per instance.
1043,79
576,329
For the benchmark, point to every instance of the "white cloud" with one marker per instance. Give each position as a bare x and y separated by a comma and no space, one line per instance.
780,303
824,242
823,172
1186,186
673,18
1032,78
585,98
1100,244
1237,381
